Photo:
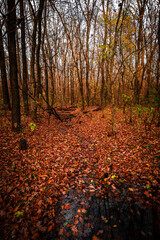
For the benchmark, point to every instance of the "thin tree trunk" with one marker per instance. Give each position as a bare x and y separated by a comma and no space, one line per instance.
87,63
46,76
51,69
33,54
103,57
72,86
38,47
18,59
24,60
37,87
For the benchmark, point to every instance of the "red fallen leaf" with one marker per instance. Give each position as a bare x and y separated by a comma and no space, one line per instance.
39,211
99,232
76,221
35,236
53,213
95,238
75,233
74,228
61,231
38,225
15,210
67,206
68,234
83,210
113,187
79,211
50,228
81,219
49,181
21,178
143,233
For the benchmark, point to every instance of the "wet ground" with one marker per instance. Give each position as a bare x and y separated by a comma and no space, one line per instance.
92,217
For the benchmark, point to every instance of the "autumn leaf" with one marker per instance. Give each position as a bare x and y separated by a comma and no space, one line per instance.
83,210
147,194
95,238
74,228
61,231
53,213
79,210
68,234
19,214
113,176
100,232
67,206
75,233
15,210
65,224
50,228
39,184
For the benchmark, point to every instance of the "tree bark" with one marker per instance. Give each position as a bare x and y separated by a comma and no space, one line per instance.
114,51
5,92
24,60
140,51
11,25
18,59
38,87
105,13
158,60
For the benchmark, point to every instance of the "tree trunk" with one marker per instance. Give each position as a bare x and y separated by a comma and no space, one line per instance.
11,25
46,76
140,51
24,60
87,64
72,86
114,51
6,100
38,48
51,69
105,13
18,59
33,80
37,87
158,60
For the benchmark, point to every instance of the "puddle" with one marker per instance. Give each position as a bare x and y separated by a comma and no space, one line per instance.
90,217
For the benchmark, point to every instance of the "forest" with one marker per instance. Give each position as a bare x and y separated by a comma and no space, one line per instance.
80,119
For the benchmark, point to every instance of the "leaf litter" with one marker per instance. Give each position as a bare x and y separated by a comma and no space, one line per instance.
66,172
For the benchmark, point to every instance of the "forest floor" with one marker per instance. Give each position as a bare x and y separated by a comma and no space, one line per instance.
79,180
